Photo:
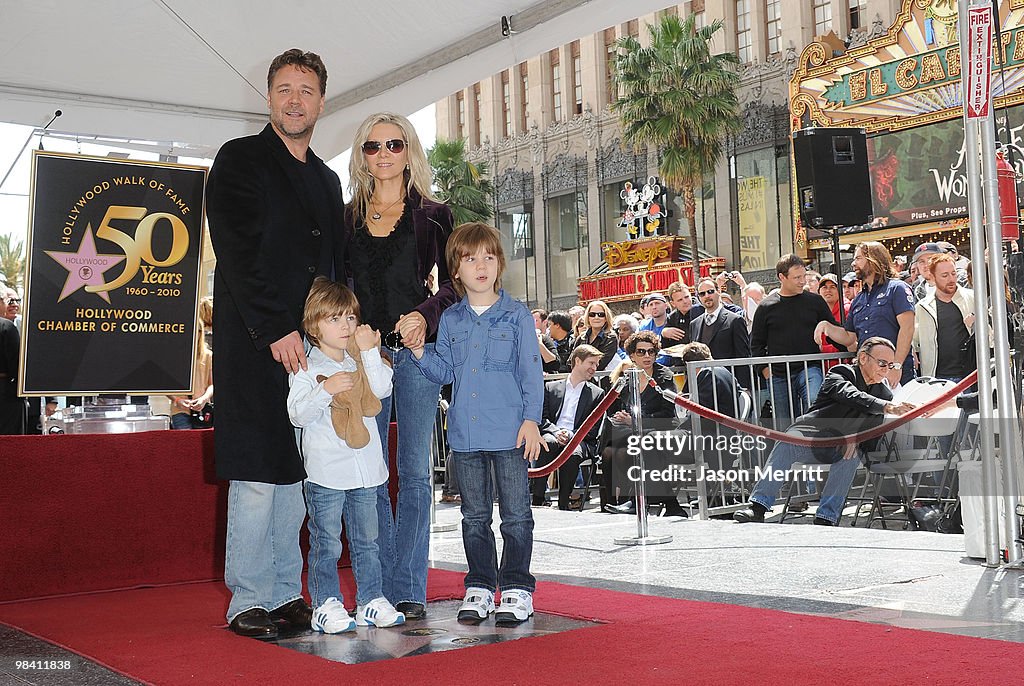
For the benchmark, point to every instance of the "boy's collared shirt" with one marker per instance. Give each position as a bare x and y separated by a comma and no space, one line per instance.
330,462
494,362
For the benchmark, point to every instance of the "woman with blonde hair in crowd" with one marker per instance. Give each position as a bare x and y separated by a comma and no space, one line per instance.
188,412
206,318
597,331
395,234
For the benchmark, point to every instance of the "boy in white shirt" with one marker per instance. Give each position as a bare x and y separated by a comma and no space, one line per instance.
343,472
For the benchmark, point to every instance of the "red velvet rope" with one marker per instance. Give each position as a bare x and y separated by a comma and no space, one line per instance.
581,433
820,442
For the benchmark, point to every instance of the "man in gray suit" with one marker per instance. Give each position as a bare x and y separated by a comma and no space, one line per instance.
723,331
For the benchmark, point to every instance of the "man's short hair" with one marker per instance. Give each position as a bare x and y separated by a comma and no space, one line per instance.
326,298
466,240
869,344
540,312
641,336
708,279
676,287
562,320
787,262
582,352
308,61
694,352
935,260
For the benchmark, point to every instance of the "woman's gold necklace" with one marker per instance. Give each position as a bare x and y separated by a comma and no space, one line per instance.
376,215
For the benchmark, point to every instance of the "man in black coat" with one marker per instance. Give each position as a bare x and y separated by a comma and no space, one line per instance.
853,398
567,403
722,330
274,209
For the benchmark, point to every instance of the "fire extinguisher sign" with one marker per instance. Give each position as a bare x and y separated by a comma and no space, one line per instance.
978,70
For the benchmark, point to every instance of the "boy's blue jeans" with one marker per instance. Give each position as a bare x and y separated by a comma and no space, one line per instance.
327,508
475,484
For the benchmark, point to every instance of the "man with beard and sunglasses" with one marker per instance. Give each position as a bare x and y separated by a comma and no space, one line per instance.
275,212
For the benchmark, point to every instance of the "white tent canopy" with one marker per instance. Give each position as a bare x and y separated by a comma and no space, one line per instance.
183,76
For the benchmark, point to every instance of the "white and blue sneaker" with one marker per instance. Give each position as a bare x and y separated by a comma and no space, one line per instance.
332,618
379,613
477,605
516,607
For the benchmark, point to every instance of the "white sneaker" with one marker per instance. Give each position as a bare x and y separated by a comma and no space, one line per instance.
477,605
332,618
516,607
380,613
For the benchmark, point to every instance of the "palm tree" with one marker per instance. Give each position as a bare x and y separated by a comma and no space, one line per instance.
462,185
12,261
677,96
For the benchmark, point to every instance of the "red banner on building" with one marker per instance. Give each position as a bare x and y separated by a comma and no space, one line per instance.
635,284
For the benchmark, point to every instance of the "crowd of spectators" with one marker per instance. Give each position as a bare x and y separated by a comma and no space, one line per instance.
921,305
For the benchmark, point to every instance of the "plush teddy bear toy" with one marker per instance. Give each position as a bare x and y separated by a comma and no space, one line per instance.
349,408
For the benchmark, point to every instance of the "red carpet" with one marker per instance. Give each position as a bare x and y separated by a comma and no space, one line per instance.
103,511
99,512
175,635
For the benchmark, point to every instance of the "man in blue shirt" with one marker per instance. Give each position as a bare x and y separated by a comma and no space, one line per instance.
657,311
884,308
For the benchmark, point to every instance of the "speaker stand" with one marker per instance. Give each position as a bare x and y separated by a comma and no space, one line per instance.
833,234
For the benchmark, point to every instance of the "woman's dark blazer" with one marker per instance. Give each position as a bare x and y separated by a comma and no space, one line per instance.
432,225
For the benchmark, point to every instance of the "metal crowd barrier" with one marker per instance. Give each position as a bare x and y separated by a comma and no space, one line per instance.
734,468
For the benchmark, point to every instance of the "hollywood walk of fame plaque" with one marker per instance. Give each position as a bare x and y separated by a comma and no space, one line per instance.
112,282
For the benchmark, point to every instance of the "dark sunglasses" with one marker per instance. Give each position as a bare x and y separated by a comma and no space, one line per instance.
646,352
14,301
595,314
395,145
883,364
703,293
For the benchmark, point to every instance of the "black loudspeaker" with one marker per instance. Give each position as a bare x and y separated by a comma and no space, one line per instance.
833,186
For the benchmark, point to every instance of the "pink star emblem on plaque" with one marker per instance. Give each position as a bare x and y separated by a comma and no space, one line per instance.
85,267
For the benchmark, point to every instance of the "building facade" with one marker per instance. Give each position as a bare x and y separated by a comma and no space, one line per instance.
559,165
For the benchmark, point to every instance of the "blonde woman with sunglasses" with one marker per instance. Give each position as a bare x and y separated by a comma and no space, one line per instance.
597,331
396,235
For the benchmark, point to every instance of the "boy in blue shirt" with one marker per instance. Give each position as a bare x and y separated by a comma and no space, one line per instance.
487,345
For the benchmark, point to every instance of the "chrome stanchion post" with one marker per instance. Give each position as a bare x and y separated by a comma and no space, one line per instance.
640,498
435,459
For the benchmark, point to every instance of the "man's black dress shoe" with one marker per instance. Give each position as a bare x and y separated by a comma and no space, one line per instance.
412,610
748,515
625,508
674,510
296,613
254,623
821,521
